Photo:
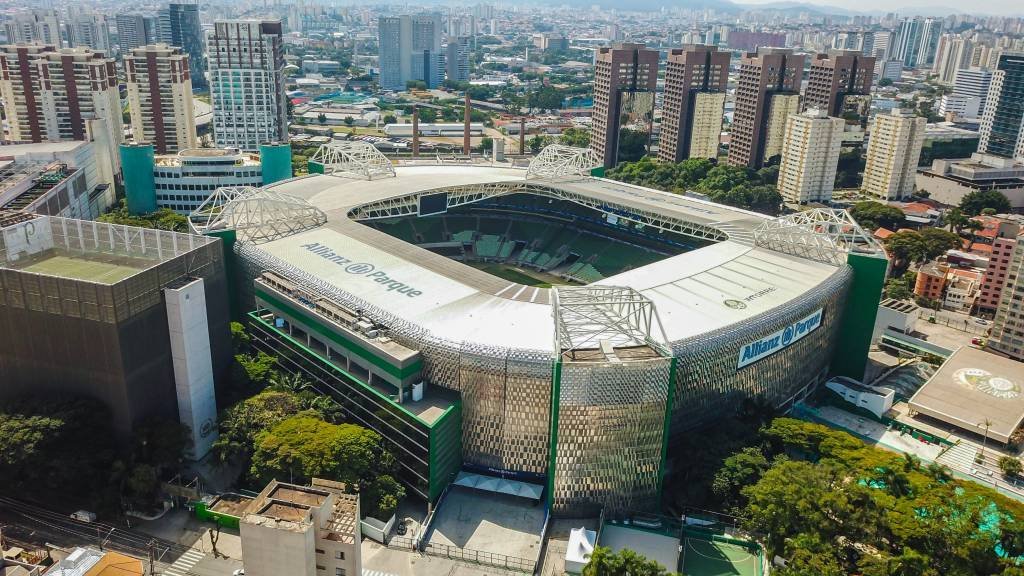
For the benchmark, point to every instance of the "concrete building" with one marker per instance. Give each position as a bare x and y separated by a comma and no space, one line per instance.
898,315
410,49
550,41
780,109
56,179
79,154
962,287
971,86
893,152
1007,336
182,181
695,85
92,562
890,70
750,41
767,92
948,181
931,281
995,275
810,156
1002,124
160,97
137,319
625,79
302,531
954,54
91,30
247,84
457,58
917,42
35,26
877,400
44,103
179,25
839,83
134,30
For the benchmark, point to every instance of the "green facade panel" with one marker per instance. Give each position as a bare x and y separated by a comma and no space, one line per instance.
314,167
851,353
276,161
137,162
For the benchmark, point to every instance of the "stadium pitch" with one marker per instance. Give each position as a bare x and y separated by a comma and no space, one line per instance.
702,557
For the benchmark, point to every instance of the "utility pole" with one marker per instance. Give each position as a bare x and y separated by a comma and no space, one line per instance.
152,555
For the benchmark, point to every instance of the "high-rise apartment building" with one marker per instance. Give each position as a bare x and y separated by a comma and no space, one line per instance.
954,53
59,94
695,83
766,93
810,156
180,26
894,148
625,79
91,30
917,41
995,274
1002,124
410,49
1007,336
36,26
134,30
457,60
247,84
160,97
839,84
970,91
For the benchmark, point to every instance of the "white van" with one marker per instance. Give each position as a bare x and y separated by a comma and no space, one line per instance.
84,516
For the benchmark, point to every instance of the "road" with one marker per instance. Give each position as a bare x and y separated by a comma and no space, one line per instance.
36,525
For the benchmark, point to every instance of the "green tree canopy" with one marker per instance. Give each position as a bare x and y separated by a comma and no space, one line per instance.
578,137
302,447
604,562
874,215
938,241
975,202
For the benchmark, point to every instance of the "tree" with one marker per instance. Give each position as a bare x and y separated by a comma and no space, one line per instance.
389,119
901,287
604,562
632,145
162,219
321,118
906,246
545,98
974,202
349,121
302,447
938,241
741,469
955,219
874,215
578,137
536,143
885,82
241,423
486,144
1010,466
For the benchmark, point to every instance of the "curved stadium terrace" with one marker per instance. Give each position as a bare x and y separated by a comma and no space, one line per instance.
361,279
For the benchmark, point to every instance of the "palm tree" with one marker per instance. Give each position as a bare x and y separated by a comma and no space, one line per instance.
288,382
939,472
987,424
911,462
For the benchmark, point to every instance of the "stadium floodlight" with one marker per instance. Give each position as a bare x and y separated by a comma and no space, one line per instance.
821,234
354,159
256,214
560,161
586,316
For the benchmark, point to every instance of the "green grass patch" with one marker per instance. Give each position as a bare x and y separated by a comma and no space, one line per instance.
512,274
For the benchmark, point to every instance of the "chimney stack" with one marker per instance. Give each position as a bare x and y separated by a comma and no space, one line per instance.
415,130
465,128
522,135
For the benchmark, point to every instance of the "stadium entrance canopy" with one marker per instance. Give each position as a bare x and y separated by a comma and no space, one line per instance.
499,485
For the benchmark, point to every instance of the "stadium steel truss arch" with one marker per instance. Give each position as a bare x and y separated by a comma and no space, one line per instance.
255,214
352,159
408,205
586,316
821,234
560,161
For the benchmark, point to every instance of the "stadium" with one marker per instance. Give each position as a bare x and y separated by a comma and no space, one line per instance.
540,332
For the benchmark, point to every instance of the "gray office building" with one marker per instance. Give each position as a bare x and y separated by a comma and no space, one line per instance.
180,26
410,49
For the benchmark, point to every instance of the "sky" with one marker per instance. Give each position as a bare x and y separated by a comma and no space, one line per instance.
994,7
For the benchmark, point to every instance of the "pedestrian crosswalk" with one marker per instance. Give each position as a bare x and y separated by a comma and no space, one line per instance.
376,573
184,563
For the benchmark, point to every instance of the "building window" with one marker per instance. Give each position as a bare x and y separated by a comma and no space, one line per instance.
339,572
339,555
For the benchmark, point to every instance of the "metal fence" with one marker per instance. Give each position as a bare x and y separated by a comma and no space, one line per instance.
464,554
963,325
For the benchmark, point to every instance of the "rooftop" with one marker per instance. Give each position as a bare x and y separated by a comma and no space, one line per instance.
974,386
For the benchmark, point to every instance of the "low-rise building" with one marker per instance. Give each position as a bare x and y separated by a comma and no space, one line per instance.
931,281
92,562
876,400
962,289
898,315
948,181
302,531
51,188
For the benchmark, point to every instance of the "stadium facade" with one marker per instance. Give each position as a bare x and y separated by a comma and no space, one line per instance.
371,280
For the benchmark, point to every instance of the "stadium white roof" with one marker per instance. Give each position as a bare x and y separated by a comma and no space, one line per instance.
695,292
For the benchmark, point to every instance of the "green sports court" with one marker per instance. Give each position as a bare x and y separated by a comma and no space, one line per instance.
89,270
704,555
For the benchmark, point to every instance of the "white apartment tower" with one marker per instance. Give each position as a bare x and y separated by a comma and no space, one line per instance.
246,63
160,97
89,29
36,26
410,49
457,59
44,103
810,155
781,107
894,148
